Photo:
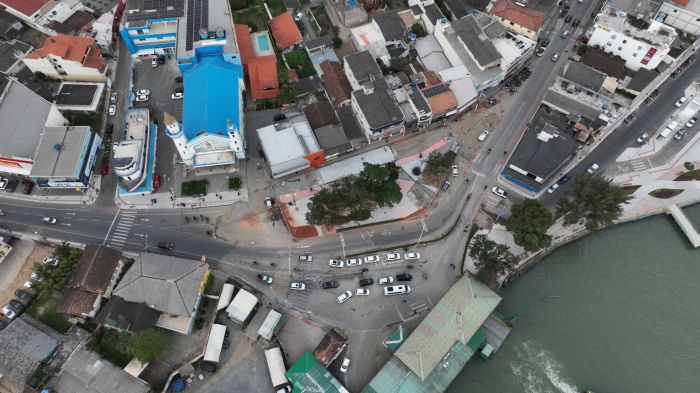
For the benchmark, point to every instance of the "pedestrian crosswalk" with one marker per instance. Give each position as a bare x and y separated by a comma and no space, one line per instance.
281,282
638,164
122,229
418,307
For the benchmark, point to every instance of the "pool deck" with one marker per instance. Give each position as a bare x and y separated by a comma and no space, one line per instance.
255,37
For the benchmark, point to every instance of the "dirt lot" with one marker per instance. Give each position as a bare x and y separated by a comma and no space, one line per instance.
20,262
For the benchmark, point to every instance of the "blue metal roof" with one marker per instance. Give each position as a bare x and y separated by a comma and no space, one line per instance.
211,96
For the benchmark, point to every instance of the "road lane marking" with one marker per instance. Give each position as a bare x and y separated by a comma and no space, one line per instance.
110,228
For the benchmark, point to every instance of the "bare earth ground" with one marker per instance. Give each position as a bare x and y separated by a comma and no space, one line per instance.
37,254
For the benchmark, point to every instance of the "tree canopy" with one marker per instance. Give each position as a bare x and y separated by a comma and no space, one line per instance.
53,278
353,198
489,256
528,222
595,200
148,344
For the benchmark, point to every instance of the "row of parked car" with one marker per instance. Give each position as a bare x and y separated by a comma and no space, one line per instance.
10,184
18,305
392,256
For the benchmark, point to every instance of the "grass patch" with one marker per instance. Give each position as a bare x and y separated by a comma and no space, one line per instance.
276,7
629,190
194,188
690,175
254,17
322,18
94,120
45,311
234,183
299,60
665,193
113,346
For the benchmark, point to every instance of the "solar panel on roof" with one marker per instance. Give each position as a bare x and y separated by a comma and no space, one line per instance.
435,90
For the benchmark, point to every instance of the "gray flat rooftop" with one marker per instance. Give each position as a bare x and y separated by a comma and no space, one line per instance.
76,94
23,116
12,52
584,76
350,125
391,25
60,152
543,158
478,75
87,372
378,107
363,66
646,9
569,103
478,43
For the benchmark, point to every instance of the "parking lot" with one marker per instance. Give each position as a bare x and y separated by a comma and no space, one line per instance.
17,267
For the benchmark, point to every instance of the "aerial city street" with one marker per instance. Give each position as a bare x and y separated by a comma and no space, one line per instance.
331,195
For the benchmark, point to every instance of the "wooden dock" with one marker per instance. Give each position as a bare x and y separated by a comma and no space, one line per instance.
685,224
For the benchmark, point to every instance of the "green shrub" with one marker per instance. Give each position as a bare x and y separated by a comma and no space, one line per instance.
689,165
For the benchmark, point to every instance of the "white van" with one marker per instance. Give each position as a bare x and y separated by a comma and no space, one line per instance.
665,132
397,289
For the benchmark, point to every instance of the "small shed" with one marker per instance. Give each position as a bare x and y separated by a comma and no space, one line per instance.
271,325
225,297
214,343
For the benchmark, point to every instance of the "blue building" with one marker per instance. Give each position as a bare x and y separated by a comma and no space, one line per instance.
150,27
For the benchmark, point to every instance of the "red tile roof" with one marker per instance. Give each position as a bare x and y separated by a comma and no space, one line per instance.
245,46
27,7
442,103
526,17
336,82
262,72
293,75
70,48
285,30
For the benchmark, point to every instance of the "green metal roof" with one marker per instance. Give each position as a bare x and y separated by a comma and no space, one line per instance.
396,338
456,318
308,375
395,377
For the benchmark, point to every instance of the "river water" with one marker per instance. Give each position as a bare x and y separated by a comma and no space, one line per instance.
617,312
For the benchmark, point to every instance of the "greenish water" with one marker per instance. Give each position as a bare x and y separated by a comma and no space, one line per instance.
617,312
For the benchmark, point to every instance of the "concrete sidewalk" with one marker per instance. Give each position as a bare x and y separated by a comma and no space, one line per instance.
86,196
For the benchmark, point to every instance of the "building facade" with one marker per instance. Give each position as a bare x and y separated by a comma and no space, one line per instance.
68,58
149,27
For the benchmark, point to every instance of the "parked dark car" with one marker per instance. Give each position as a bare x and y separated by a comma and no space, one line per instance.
179,89
166,246
366,281
161,59
11,185
3,325
208,366
404,277
567,19
545,42
330,284
16,305
24,295
109,129
279,117
28,187
564,179
576,22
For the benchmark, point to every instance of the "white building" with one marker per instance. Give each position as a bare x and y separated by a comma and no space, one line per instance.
682,15
384,37
68,58
641,43
39,14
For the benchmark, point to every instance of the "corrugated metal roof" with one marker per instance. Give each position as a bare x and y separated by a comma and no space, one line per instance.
307,375
455,319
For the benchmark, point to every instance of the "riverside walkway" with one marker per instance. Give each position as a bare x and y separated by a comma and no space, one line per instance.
685,225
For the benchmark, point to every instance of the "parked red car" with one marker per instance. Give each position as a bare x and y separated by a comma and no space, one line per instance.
104,169
156,181
28,187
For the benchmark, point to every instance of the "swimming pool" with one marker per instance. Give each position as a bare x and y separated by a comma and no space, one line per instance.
263,43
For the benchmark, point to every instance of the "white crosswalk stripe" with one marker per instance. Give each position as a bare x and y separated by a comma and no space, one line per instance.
121,231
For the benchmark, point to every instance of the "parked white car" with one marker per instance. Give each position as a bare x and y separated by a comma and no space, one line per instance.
27,284
306,258
392,256
8,312
593,168
691,122
177,95
336,263
412,255
343,297
552,188
455,171
386,280
51,261
143,92
354,262
371,258
297,286
680,102
141,98
112,110
643,138
500,192
362,292
483,135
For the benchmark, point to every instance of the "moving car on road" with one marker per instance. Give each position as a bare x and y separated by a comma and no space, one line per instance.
643,138
166,246
49,220
555,57
141,98
345,365
343,297
564,179
593,168
177,95
265,278
680,102
112,110
336,263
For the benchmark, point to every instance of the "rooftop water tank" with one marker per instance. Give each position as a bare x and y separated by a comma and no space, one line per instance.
220,33
203,34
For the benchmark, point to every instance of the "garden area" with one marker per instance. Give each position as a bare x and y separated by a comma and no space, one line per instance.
119,348
94,120
298,59
234,183
665,193
194,188
437,167
692,174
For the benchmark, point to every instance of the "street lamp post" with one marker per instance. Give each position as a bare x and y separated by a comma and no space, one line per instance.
145,237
